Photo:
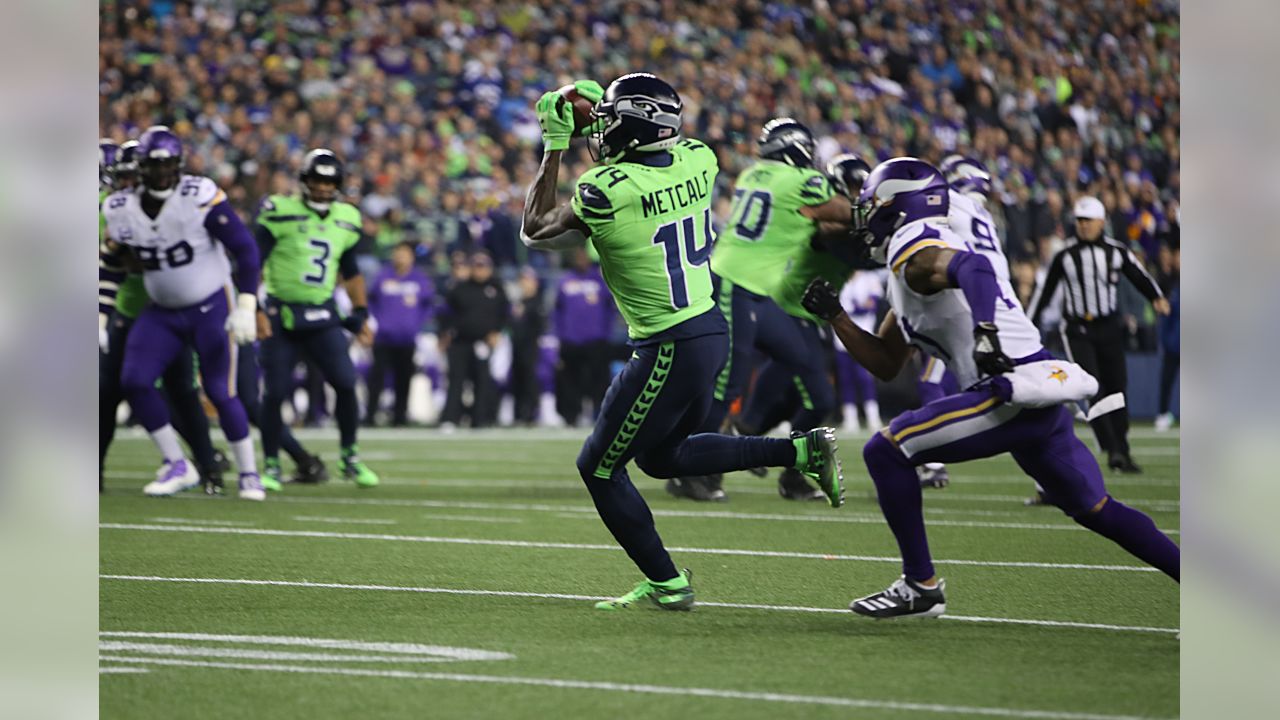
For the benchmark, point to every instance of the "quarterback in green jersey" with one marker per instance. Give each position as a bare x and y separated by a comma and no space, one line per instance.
779,204
306,241
646,209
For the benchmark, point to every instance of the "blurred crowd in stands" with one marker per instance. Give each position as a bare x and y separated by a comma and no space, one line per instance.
430,104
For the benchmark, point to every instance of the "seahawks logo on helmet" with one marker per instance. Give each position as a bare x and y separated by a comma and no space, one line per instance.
640,113
787,140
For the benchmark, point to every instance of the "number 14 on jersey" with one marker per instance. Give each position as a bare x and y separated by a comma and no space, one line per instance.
682,235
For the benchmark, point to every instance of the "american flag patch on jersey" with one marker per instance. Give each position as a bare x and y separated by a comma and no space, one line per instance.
933,200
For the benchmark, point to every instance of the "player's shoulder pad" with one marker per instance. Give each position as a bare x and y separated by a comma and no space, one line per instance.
202,191
916,237
595,197
814,186
346,216
280,208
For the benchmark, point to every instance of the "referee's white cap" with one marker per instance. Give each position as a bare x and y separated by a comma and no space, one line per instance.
1090,207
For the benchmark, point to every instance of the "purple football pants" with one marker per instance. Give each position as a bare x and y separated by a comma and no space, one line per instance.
159,335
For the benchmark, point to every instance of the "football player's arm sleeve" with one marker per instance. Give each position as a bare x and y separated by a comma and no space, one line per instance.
1140,278
347,264
974,275
110,274
224,225
266,241
1044,292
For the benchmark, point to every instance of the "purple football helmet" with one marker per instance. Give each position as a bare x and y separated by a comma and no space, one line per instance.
108,152
897,192
159,160
966,175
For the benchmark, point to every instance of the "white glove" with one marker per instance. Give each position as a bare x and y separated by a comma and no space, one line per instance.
104,338
243,321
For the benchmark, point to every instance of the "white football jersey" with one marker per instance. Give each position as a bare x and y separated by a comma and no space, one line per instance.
181,263
860,297
941,324
974,224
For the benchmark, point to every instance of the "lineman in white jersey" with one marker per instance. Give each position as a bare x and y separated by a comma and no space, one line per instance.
178,229
948,301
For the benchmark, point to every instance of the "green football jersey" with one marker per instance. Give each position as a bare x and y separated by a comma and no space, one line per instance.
804,265
765,225
303,266
652,228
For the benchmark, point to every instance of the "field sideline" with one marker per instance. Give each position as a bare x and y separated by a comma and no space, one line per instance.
462,587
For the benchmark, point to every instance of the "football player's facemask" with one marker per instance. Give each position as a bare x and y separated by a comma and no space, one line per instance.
108,154
847,172
967,175
787,140
321,176
159,161
640,112
897,192
125,172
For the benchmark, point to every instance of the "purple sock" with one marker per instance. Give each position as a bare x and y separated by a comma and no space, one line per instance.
898,490
1136,532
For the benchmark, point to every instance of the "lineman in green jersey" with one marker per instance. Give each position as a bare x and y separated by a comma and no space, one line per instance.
647,211
121,173
831,255
305,241
778,204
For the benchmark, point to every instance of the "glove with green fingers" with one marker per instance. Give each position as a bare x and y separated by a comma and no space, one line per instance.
555,116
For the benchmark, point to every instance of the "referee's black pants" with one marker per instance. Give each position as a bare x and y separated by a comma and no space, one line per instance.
1098,346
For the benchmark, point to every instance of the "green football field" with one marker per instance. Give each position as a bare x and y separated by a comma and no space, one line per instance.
463,587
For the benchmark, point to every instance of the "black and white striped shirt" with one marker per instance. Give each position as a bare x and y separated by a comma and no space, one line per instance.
1090,273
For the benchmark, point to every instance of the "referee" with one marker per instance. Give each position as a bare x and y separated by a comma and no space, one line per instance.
1093,332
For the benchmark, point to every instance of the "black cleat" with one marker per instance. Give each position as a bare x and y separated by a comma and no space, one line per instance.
221,462
311,471
933,477
904,598
211,479
1036,500
700,488
1124,464
793,486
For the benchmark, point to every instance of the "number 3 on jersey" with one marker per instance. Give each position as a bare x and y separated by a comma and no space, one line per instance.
321,263
683,234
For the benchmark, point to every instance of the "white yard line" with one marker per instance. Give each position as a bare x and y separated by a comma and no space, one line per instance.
585,598
587,511
344,520
115,670
163,649
405,650
609,548
201,521
862,703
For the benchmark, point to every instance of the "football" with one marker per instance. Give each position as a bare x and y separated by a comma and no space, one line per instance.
583,109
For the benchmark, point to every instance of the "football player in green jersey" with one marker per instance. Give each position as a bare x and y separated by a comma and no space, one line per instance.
831,254
779,204
646,209
120,172
306,241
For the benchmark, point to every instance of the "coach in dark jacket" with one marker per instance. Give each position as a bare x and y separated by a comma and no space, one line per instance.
1089,270
478,310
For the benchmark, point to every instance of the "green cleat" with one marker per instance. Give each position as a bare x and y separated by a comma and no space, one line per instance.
356,471
270,477
820,463
674,594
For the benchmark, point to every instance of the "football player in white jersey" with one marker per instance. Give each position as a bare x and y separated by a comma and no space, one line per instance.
178,230
860,297
948,301
968,217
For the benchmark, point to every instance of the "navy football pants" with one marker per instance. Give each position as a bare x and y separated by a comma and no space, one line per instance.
327,348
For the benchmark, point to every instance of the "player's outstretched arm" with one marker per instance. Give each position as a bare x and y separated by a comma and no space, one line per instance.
546,225
882,354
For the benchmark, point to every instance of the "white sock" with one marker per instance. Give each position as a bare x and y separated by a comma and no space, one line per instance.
872,410
934,466
242,449
851,416
166,439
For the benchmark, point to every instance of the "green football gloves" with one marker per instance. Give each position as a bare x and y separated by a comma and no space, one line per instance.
591,90
555,115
